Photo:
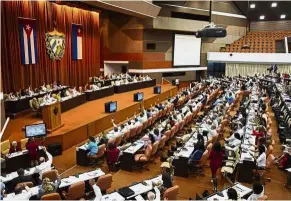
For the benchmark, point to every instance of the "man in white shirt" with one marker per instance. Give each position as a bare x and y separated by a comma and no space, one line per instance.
97,191
117,83
94,87
47,99
258,192
184,109
136,123
261,161
180,116
43,88
44,165
21,193
143,117
234,140
130,125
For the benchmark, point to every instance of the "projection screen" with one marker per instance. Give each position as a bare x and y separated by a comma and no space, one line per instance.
187,50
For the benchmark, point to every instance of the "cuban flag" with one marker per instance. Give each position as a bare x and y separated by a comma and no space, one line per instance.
27,32
77,32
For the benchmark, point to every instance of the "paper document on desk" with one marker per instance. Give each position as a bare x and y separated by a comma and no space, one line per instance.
34,190
113,196
140,188
69,179
215,197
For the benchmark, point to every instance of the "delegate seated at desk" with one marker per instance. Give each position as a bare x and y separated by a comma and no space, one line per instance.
166,176
197,154
92,146
21,178
48,186
261,159
44,165
47,99
22,193
14,147
258,192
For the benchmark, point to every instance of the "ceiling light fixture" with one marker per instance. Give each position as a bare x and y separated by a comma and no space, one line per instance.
262,17
252,5
273,5
283,16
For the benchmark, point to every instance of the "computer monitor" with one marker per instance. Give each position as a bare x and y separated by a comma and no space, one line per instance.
35,130
157,90
111,106
137,97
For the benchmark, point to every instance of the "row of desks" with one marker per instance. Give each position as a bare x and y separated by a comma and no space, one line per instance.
246,162
19,160
65,183
140,190
13,108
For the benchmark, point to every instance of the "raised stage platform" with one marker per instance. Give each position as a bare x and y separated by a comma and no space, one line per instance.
89,119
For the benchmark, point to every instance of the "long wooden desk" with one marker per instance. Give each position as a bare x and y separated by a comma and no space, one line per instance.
13,107
134,86
65,183
101,93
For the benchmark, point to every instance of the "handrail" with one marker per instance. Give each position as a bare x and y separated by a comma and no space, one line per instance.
4,127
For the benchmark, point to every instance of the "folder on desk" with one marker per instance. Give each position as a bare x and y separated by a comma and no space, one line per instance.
126,192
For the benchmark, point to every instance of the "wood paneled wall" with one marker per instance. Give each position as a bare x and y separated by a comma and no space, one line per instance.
126,38
271,25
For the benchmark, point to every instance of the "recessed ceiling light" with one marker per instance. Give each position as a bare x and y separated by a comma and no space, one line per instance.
273,5
283,16
252,5
262,17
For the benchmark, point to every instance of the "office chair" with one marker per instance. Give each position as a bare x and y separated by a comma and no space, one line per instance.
143,159
51,196
104,183
171,193
75,191
100,154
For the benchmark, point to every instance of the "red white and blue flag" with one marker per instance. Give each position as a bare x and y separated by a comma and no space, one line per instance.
77,32
28,45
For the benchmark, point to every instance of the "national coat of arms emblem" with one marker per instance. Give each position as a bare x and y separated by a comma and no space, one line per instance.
55,44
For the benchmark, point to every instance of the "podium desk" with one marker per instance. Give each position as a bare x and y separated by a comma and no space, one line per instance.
51,115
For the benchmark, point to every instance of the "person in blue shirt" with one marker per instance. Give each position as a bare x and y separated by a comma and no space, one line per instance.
92,146
230,98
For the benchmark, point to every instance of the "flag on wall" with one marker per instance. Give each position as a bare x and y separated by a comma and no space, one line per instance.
77,32
28,45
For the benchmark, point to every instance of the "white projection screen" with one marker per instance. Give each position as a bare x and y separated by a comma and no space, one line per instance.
186,50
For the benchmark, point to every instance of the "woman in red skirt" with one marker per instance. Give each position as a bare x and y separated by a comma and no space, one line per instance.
32,148
216,157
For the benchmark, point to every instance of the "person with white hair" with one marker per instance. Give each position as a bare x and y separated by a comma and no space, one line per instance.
154,196
14,148
44,165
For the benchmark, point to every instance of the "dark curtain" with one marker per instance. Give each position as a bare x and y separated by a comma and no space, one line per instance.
69,72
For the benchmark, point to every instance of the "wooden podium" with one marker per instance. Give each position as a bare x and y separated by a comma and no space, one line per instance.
51,115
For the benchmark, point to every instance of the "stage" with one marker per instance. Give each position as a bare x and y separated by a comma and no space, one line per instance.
90,119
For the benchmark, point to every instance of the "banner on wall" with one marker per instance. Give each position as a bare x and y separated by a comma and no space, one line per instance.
77,32
55,44
28,44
